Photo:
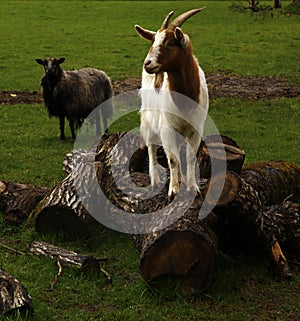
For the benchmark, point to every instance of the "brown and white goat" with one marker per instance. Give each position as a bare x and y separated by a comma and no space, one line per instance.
174,100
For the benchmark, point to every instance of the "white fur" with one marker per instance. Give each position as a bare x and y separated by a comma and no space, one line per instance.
161,121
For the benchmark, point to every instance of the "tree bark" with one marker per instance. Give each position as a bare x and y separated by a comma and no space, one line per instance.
185,247
18,200
212,151
273,180
62,211
185,250
87,263
14,296
243,221
283,222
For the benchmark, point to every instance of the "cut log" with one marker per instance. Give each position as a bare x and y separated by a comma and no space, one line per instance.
62,211
18,200
220,145
212,151
283,222
14,296
243,221
184,247
274,180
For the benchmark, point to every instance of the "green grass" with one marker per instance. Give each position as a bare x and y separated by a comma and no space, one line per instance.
263,129
101,34
94,33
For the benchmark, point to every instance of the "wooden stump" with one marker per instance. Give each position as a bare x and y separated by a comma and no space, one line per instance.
18,200
14,296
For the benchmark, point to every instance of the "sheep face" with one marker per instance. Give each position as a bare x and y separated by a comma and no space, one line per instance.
51,66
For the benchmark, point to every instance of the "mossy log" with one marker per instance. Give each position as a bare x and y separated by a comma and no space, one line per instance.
14,296
18,200
273,180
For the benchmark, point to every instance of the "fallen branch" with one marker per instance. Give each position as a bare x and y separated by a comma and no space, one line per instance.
11,249
87,263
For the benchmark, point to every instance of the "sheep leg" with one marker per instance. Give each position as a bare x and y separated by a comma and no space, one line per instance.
62,127
71,123
191,150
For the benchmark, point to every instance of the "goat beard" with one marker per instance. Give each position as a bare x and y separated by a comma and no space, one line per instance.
159,78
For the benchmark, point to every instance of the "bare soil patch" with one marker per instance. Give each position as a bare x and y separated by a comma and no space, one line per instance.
220,85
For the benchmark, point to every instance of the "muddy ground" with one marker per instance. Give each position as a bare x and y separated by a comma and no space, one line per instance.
220,85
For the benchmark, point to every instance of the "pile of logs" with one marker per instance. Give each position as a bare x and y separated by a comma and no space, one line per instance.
257,209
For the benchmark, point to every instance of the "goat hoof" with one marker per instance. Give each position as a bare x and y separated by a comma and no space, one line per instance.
173,192
193,188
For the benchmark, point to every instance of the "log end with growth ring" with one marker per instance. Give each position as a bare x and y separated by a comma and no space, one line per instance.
187,255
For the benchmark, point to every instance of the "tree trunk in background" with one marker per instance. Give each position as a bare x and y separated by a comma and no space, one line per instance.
13,295
18,200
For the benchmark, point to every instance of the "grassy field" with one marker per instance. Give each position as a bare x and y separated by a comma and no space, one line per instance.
101,34
94,33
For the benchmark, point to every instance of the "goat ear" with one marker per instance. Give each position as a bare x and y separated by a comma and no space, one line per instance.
40,61
61,60
144,33
179,35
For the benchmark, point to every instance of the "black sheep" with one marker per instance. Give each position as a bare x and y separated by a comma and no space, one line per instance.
75,94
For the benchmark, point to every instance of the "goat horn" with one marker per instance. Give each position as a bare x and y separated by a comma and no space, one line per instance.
166,21
183,17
